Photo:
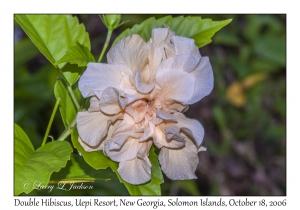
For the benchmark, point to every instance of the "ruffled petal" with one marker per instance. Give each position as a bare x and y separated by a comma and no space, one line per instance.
131,51
98,76
167,137
100,146
94,104
142,86
117,142
190,127
179,164
175,85
165,116
136,171
109,102
127,127
155,58
92,127
184,62
183,45
204,80
148,132
128,151
161,36
177,107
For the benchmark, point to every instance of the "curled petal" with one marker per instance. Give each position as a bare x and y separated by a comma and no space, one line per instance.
165,116
117,142
98,76
131,109
142,86
148,132
190,127
160,36
179,164
175,85
204,80
135,171
94,104
185,45
129,150
127,127
184,62
139,114
100,146
170,138
111,101
156,120
177,107
131,51
92,127
202,149
173,134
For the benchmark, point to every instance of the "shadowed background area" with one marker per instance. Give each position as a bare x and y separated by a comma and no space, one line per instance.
244,117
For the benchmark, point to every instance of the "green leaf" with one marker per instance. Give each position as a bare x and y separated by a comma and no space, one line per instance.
53,35
31,167
72,73
201,30
98,160
77,54
78,169
67,108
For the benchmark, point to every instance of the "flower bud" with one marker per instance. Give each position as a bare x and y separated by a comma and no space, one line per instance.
111,21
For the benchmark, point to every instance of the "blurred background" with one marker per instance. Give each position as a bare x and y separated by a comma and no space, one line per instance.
244,117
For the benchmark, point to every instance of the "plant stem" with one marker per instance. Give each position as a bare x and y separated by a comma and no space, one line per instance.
73,97
109,33
67,131
50,121
70,90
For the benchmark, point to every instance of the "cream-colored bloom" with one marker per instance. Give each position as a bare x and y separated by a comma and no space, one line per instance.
137,100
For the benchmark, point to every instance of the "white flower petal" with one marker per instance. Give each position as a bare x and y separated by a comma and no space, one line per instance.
202,149
170,138
185,45
204,80
160,36
165,116
191,127
94,104
131,109
99,76
127,127
155,56
173,134
92,127
175,85
185,63
177,107
131,51
109,102
117,142
134,97
136,171
179,164
139,114
129,150
148,132
100,146
142,86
